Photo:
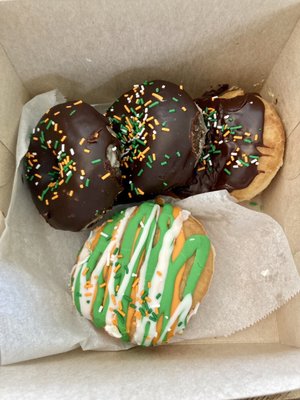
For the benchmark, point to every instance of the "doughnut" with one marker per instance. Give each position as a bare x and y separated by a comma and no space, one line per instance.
72,166
160,131
244,145
142,274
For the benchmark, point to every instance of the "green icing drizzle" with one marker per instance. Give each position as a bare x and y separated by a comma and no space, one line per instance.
197,246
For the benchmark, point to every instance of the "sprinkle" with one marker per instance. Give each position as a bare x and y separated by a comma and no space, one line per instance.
153,104
72,151
102,285
87,150
105,176
71,192
256,137
57,113
63,138
38,176
140,191
113,299
181,87
172,110
156,122
178,153
100,309
165,184
163,163
201,169
154,156
72,112
81,141
149,285
160,98
87,182
148,103
47,202
82,172
135,282
97,161
165,129
238,137
78,102
159,273
227,171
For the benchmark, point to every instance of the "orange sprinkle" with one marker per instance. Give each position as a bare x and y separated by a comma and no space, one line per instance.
63,138
138,108
113,299
148,102
82,141
130,195
165,129
256,137
117,288
38,176
47,202
87,150
149,285
232,158
35,138
56,168
159,273
181,87
117,268
105,176
77,102
54,197
140,191
237,137
228,163
68,106
148,299
120,304
85,271
149,119
55,127
102,285
183,109
88,285
88,294
226,133
116,117
46,120
81,186
57,113
154,156
135,282
61,182
122,313
71,192
82,171
200,169
138,315
60,131
156,122
247,134
151,126
127,108
160,98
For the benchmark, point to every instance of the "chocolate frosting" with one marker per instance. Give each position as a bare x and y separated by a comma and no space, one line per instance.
159,130
70,176
230,156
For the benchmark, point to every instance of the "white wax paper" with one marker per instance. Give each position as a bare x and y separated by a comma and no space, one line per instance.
254,270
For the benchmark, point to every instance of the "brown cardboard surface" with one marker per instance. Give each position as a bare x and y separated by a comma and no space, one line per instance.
13,96
204,372
96,49
57,44
281,199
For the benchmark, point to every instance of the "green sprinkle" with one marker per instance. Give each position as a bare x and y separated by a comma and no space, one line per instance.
251,156
158,296
150,159
140,172
49,124
87,182
175,99
127,297
178,153
145,83
172,110
44,147
44,192
142,312
248,140
148,165
97,161
157,90
227,171
72,112
167,156
217,152
180,323
151,83
55,144
126,269
116,251
244,163
132,305
236,127
253,203
165,184
69,177
156,103
163,163
164,123
42,137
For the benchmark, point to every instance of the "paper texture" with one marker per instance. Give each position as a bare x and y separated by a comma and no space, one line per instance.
254,270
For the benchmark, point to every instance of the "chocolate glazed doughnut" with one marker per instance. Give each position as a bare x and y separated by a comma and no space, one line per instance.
160,131
72,166
244,145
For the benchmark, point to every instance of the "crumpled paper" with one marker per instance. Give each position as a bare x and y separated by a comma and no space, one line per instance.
254,270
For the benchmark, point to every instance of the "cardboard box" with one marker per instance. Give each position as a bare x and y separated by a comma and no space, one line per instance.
97,49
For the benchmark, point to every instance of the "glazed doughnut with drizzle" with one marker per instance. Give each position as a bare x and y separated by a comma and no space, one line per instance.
142,274
72,166
161,133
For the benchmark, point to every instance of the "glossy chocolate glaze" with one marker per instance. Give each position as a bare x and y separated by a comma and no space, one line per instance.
159,130
230,157
68,151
